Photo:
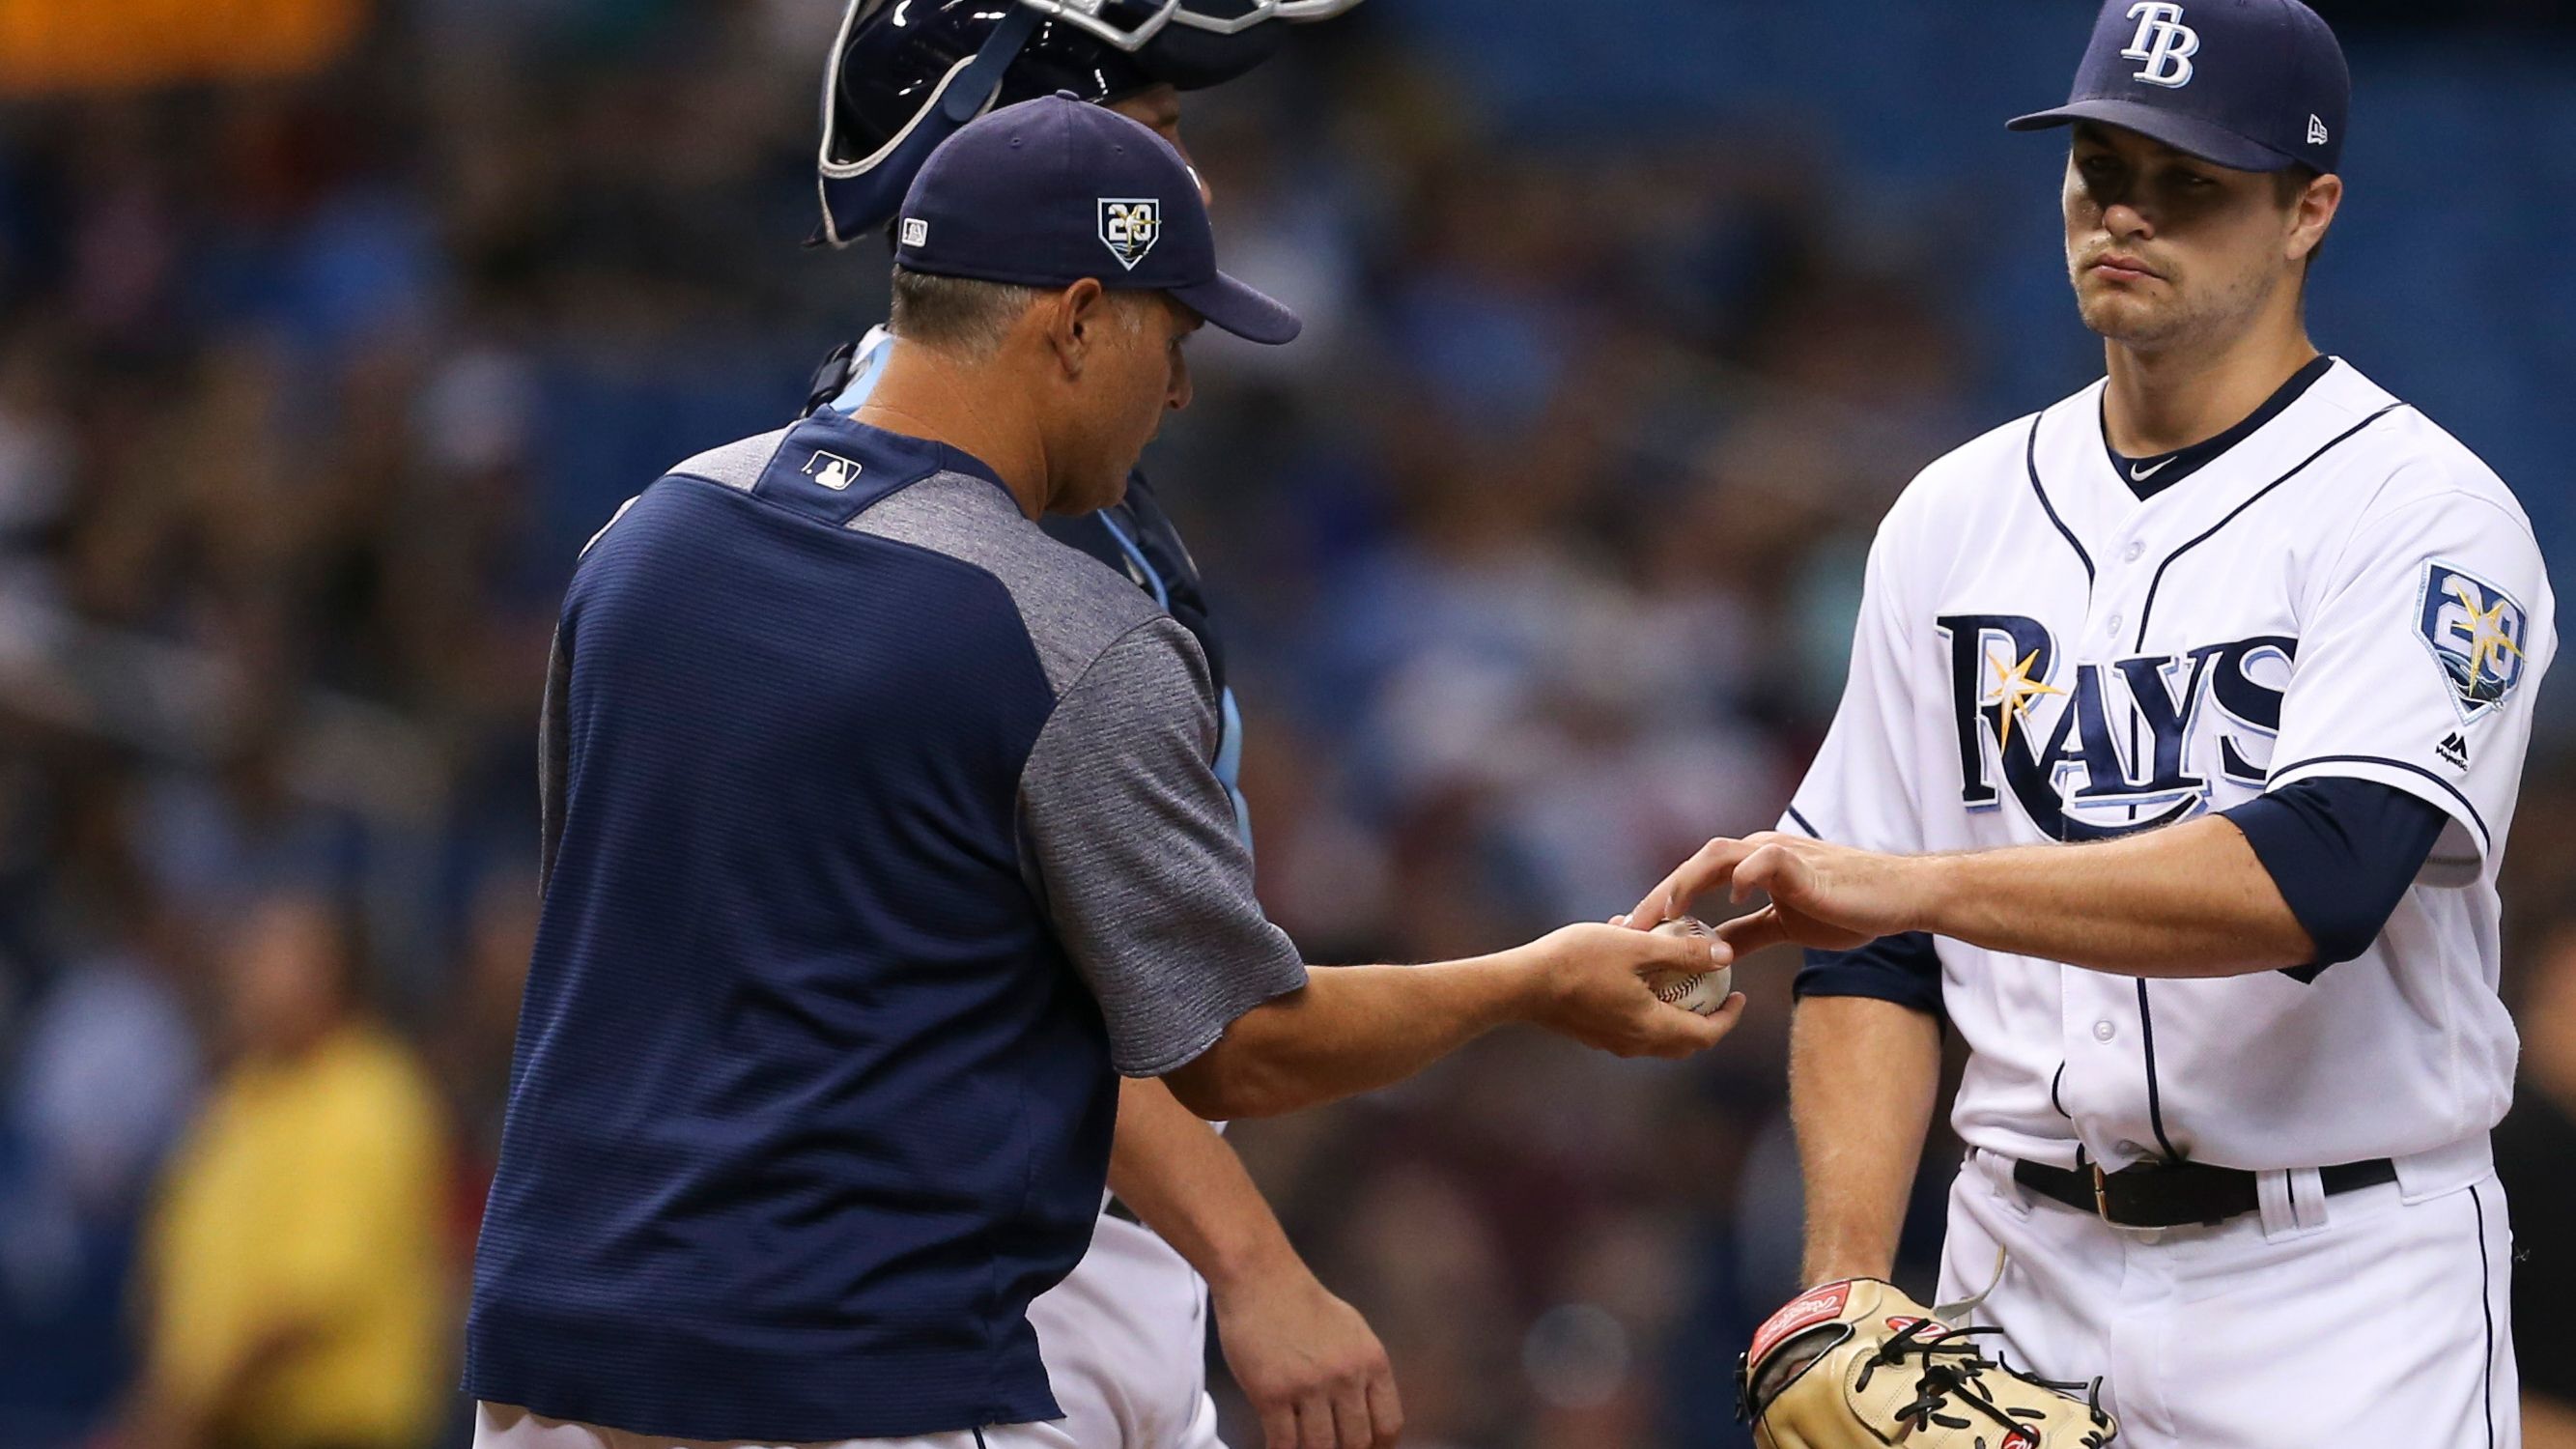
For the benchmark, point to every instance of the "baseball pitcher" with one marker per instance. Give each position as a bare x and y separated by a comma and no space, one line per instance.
2182,737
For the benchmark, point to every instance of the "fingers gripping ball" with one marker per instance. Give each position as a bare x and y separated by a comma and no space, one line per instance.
1858,1365
1700,991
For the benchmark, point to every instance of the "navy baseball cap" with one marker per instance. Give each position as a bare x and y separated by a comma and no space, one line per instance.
2252,85
1050,191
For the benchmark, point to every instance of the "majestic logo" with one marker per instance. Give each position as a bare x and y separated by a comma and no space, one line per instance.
2163,42
2117,757
916,232
2454,750
2476,632
831,470
1129,227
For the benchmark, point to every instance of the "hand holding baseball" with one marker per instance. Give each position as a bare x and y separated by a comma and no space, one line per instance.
1593,988
1702,992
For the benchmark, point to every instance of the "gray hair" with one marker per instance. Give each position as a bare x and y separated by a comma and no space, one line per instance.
968,318
958,315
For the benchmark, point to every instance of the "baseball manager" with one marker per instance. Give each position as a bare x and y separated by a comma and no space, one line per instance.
881,835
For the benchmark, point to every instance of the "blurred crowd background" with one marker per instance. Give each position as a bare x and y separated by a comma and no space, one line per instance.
329,329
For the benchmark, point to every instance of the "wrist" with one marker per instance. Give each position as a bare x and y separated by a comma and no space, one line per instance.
1843,1272
1835,1263
1526,986
1929,886
1246,1267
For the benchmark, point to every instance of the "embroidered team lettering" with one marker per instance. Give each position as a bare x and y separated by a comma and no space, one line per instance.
2109,749
2164,43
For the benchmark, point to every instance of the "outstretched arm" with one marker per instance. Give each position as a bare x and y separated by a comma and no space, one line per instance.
1357,1028
2187,900
1305,1359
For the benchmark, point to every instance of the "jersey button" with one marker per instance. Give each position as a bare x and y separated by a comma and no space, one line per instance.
2133,551
2104,1031
2114,621
2127,1148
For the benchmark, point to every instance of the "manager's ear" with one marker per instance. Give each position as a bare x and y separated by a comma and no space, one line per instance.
1075,318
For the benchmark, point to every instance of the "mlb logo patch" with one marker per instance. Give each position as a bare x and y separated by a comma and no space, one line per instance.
1129,227
2476,632
831,470
916,232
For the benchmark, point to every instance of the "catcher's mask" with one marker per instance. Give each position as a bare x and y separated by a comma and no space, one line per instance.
906,74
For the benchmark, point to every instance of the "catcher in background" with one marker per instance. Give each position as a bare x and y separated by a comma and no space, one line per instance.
2263,640
1185,1230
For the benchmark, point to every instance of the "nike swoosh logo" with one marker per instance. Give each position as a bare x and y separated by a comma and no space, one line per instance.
2142,474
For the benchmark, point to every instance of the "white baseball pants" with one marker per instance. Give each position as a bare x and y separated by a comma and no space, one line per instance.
1125,1343
2330,1323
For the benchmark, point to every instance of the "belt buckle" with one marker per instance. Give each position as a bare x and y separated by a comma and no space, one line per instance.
2102,1195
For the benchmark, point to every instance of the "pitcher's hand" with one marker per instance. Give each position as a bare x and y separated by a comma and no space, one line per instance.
1828,896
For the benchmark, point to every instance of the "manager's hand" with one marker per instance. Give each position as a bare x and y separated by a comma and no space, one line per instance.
1307,1360
1356,1028
1596,990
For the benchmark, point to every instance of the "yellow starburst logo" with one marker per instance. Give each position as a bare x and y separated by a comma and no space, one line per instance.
2014,690
2488,641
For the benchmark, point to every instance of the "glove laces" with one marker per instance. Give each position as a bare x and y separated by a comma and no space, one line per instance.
1950,1366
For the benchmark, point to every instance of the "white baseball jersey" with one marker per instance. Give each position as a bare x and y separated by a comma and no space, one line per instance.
2042,656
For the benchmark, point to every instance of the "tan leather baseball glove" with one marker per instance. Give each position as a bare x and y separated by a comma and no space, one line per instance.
1858,1365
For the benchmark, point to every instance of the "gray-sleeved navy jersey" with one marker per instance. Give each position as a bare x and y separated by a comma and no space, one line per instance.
2044,656
880,827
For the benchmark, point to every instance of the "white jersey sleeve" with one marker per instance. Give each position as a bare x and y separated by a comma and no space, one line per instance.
2413,663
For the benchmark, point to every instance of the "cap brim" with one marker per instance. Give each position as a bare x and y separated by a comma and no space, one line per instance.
1233,307
2188,134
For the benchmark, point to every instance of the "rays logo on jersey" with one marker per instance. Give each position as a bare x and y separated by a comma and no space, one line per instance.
2118,755
1129,226
2476,632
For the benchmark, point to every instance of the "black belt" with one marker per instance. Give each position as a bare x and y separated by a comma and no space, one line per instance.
2177,1194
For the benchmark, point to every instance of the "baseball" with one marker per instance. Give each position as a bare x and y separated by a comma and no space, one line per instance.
1700,991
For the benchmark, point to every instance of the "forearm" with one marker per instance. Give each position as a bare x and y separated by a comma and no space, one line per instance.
1860,1129
1301,1356
1186,1184
1354,1029
2187,900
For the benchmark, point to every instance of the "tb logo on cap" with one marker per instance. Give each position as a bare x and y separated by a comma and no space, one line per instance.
1129,226
2163,42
